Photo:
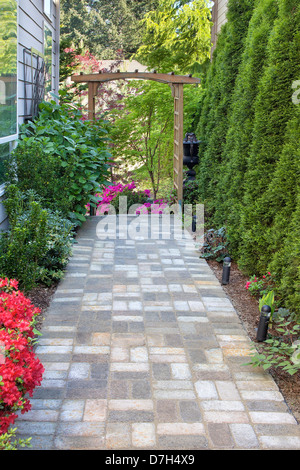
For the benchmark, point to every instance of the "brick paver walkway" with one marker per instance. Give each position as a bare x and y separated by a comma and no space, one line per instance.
143,350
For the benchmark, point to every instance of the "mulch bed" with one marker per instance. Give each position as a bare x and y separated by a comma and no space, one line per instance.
41,297
247,308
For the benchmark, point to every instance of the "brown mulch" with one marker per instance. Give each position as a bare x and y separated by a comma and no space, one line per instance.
41,298
247,308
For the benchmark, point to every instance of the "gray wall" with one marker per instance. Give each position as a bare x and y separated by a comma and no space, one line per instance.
219,11
31,34
31,21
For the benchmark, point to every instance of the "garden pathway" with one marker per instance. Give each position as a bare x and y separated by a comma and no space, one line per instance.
143,350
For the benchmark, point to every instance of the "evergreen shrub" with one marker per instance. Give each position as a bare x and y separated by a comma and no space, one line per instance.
248,173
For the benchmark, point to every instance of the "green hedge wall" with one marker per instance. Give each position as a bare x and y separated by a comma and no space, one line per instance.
249,167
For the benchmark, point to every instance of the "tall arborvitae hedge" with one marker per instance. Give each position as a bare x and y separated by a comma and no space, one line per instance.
273,109
282,203
213,123
249,170
229,190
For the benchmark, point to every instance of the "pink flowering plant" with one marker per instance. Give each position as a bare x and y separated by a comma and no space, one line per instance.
158,206
140,198
258,286
110,197
111,194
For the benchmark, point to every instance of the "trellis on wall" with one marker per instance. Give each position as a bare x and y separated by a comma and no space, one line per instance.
176,83
34,81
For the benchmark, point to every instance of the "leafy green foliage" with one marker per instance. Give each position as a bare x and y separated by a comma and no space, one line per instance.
177,36
38,244
220,83
268,299
191,192
260,286
63,158
229,189
281,350
273,109
215,244
9,442
104,28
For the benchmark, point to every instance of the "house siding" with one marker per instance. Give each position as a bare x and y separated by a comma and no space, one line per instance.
31,35
219,11
31,22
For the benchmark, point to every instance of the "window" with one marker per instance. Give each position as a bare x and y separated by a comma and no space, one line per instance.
8,78
5,150
48,59
48,7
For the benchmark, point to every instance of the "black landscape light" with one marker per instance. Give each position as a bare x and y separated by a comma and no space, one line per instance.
194,223
262,329
226,270
190,154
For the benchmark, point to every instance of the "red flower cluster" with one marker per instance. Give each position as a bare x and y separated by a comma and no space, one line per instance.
20,369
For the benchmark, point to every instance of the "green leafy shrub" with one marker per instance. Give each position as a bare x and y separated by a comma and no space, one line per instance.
9,442
229,189
220,82
71,160
249,162
30,167
273,109
191,192
38,244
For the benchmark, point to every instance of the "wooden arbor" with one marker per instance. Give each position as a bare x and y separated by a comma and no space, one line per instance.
176,83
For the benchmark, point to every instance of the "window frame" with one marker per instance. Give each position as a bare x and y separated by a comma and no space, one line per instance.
49,27
13,137
46,13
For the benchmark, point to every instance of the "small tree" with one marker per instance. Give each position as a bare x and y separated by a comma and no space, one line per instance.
142,133
108,96
177,36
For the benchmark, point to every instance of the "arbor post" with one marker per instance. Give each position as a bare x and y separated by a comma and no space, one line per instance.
91,99
177,91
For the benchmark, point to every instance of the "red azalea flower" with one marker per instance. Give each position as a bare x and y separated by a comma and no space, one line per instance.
21,371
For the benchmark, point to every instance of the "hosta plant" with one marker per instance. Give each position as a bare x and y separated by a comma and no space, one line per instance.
282,348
